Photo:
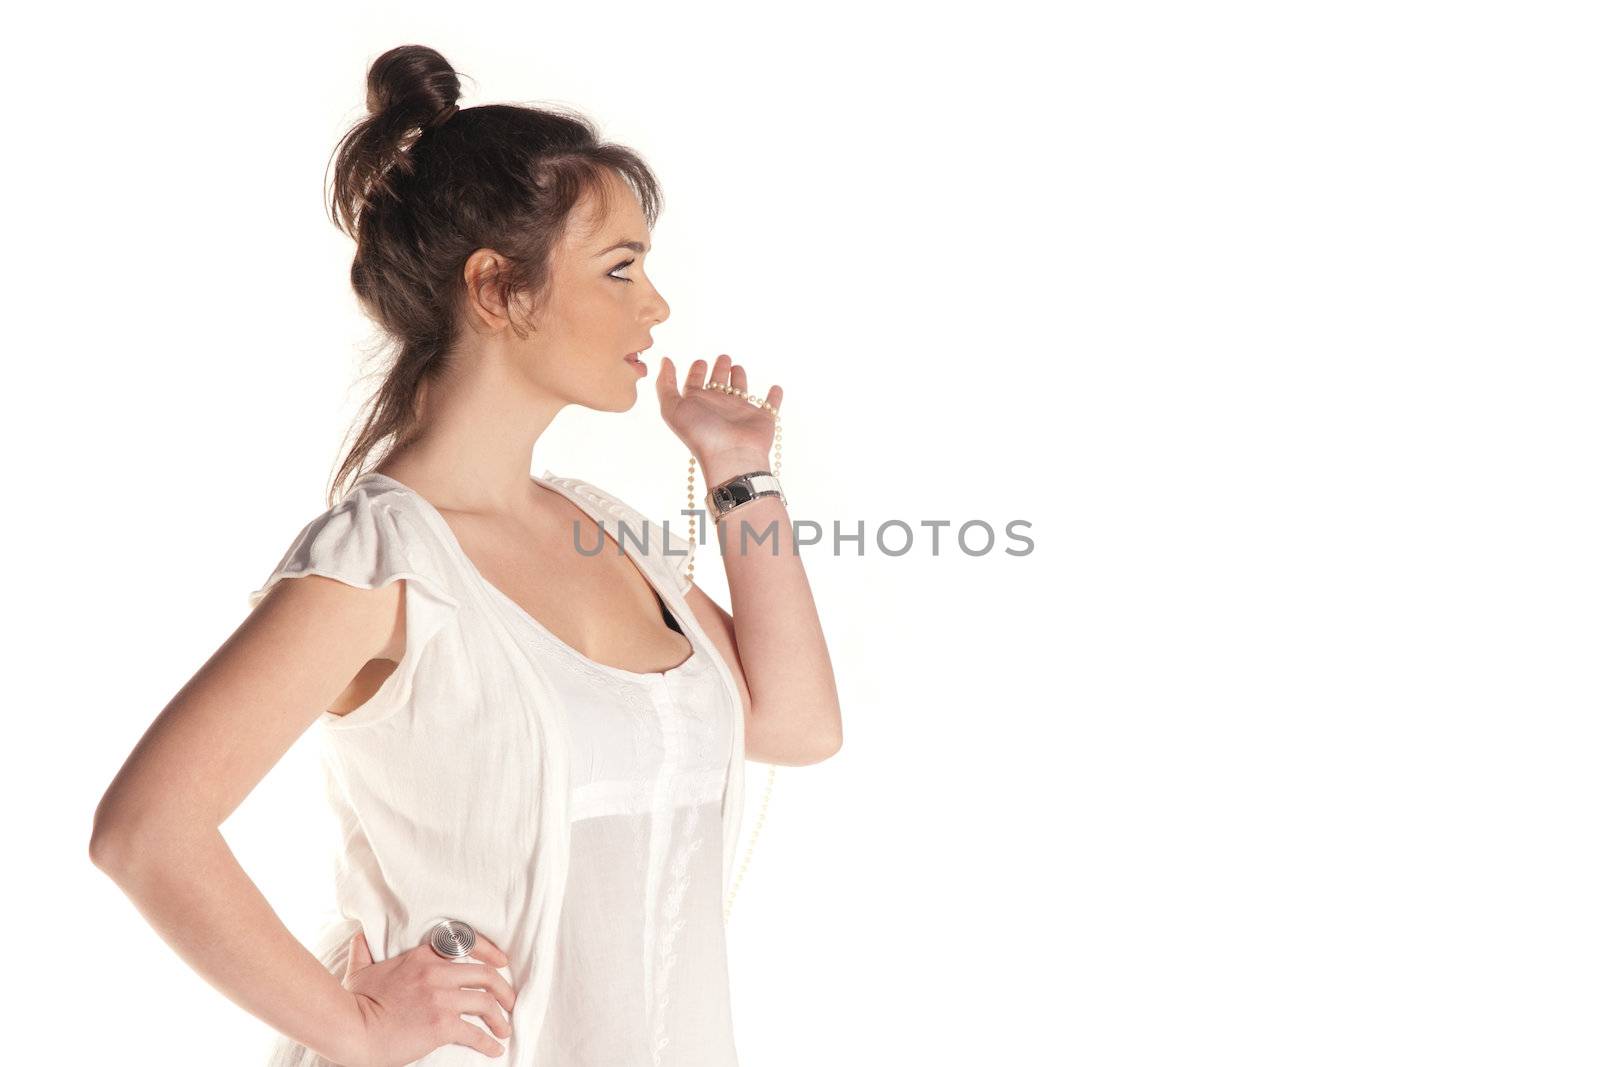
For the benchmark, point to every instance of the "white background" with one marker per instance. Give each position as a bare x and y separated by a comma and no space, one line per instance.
1276,322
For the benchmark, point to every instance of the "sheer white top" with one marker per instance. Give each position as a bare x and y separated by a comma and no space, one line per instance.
581,816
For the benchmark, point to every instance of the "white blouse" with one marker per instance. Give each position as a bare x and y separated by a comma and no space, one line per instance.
579,815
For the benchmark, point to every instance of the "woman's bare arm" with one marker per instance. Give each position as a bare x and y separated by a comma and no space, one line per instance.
156,830
792,716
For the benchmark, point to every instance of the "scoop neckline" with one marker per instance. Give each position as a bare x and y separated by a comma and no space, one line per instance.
689,662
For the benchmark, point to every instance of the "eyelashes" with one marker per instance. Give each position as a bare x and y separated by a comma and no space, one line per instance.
619,266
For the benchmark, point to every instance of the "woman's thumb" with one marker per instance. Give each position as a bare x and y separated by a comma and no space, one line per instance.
360,955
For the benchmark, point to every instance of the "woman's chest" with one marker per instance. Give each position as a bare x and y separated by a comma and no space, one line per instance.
497,714
657,742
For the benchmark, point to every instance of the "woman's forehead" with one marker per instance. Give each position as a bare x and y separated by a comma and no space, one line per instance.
601,219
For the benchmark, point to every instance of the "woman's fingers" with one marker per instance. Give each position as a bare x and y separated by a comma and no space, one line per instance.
477,976
360,954
464,1033
724,371
696,378
667,383
473,1002
495,954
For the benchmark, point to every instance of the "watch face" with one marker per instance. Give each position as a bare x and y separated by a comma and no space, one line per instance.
733,495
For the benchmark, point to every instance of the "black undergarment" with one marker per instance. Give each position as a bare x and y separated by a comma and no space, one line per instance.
667,615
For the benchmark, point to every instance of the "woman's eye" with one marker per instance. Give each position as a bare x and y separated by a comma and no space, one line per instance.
619,266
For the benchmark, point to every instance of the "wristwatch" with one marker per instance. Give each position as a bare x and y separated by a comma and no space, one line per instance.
742,489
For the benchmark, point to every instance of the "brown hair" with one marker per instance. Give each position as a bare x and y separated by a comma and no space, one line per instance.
420,186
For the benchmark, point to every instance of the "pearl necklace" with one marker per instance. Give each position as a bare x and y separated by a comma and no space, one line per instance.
772,769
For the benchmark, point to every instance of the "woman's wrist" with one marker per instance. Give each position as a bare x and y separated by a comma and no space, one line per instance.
353,1040
725,465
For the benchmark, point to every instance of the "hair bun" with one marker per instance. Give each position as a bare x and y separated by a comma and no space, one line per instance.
414,81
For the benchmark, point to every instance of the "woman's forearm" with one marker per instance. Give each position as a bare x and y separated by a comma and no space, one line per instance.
794,698
195,894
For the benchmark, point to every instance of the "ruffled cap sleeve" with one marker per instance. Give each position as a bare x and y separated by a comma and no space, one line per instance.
367,542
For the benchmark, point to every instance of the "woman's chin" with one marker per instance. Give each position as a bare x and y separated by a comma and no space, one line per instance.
622,403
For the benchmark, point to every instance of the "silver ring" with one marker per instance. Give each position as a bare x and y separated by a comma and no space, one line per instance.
453,939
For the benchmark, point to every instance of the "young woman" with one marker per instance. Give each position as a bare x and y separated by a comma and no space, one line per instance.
535,748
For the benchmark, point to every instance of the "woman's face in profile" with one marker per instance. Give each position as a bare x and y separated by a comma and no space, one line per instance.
601,306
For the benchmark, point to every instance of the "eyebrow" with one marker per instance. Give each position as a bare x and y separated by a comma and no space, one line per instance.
634,245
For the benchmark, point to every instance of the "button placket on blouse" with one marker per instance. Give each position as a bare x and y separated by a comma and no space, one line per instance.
664,901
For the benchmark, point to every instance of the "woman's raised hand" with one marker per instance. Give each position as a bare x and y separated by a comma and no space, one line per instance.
710,422
412,1003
